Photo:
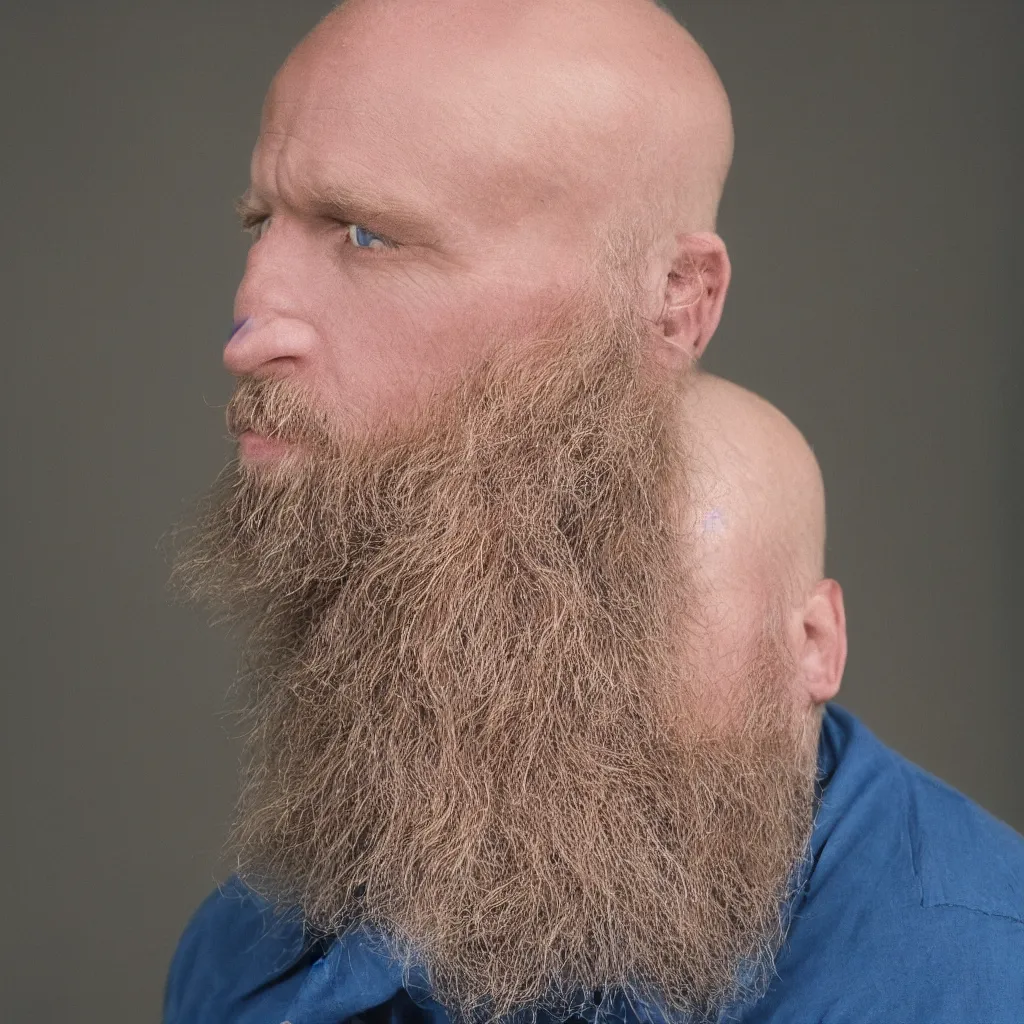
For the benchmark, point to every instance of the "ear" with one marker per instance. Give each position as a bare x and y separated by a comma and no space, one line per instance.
821,642
694,293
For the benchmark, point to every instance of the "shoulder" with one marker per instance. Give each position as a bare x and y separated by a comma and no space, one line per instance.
963,855
234,943
913,909
957,853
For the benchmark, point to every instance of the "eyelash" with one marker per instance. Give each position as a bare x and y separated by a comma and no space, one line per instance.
251,223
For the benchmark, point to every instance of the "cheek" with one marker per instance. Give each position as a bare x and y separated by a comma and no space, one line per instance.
389,335
392,332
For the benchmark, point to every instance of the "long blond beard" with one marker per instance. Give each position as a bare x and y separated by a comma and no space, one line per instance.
461,635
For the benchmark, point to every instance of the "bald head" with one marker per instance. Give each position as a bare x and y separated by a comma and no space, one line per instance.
609,104
759,484
758,506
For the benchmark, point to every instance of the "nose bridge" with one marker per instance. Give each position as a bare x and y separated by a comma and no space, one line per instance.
272,279
272,309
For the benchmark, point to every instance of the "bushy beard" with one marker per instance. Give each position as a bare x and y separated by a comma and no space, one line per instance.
466,633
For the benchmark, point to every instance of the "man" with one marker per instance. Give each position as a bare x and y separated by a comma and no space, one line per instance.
537,640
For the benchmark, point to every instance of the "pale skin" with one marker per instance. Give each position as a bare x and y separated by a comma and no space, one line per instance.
759,528
430,173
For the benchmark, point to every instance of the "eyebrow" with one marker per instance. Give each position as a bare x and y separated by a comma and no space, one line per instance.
348,205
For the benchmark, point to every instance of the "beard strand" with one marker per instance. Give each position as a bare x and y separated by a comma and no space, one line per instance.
462,633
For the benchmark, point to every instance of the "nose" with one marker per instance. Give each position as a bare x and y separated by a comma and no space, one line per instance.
261,341
272,331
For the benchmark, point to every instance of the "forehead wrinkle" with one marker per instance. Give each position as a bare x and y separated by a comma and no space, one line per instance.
328,98
561,129
316,188
552,118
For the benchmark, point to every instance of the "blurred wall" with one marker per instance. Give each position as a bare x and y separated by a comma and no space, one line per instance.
872,216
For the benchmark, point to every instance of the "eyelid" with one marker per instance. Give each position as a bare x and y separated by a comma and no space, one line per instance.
252,217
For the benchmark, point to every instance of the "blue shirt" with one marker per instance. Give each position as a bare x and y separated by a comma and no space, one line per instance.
911,912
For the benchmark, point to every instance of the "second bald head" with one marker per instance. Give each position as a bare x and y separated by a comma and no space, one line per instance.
755,522
759,481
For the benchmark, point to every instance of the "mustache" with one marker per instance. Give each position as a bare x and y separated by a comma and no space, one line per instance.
276,408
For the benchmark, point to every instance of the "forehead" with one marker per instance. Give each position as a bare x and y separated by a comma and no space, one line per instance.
461,125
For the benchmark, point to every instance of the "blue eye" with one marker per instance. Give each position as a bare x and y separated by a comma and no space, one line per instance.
361,238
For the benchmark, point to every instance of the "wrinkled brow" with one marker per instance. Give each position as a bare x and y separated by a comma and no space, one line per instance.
347,205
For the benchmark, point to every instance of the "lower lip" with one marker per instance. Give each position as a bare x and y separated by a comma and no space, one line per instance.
258,448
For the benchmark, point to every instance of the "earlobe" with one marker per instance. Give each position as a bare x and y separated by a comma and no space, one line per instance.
695,290
823,655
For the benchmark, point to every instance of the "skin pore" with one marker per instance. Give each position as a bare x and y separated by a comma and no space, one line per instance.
426,173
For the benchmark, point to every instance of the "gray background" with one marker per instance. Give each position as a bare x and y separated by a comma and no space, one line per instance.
874,221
